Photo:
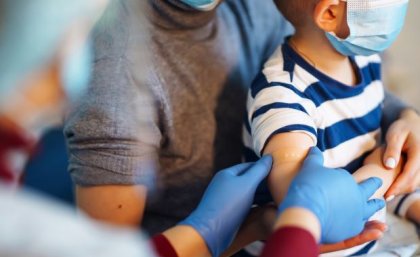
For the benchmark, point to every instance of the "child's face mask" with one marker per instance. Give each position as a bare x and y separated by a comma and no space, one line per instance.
374,26
202,5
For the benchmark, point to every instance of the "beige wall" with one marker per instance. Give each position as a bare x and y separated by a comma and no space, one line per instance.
402,61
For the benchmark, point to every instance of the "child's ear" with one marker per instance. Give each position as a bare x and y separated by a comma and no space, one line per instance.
327,15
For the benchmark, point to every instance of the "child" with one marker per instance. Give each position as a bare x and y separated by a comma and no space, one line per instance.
323,88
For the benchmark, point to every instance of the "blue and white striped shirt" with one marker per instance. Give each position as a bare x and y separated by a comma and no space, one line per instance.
290,95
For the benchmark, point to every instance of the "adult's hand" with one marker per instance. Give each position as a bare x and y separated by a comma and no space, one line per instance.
373,230
226,203
341,205
403,137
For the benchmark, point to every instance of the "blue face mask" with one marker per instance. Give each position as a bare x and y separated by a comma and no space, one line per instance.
76,71
374,26
202,5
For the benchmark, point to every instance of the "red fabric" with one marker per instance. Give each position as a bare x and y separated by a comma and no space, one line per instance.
291,242
163,247
12,140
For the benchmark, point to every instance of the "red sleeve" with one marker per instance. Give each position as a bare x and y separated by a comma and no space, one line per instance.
291,242
163,247
13,139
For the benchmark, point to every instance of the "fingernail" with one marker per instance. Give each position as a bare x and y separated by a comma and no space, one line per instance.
390,198
390,163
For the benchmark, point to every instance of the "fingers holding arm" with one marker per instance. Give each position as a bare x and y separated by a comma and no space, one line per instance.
218,217
368,189
373,167
369,186
404,137
289,151
409,179
258,171
395,140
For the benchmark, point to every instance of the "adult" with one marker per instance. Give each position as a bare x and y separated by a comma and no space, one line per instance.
210,228
53,70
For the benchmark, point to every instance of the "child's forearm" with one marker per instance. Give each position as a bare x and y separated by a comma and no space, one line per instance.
373,168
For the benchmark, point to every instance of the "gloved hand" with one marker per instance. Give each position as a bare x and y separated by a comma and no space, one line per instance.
341,205
226,202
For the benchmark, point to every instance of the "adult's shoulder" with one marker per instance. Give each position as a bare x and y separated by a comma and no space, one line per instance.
122,26
263,14
260,22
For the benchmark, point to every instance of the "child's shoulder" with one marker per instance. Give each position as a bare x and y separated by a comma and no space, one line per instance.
272,73
276,62
274,69
281,69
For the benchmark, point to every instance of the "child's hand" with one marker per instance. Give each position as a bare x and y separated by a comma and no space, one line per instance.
374,230
404,137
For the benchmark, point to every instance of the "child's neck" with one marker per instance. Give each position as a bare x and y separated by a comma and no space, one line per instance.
314,47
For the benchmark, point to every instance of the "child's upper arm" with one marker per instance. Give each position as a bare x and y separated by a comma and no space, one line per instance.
280,109
290,142
289,151
282,123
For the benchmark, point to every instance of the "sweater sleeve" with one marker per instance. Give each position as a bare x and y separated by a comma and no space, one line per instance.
392,108
291,242
163,247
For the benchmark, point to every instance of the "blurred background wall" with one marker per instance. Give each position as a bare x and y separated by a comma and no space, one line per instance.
402,60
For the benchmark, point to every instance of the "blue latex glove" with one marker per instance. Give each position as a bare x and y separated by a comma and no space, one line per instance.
341,205
226,203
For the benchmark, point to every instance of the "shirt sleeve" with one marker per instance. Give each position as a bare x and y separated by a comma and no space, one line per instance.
393,106
163,247
277,107
290,242
400,204
113,134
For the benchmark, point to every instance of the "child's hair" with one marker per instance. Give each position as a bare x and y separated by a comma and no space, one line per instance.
296,12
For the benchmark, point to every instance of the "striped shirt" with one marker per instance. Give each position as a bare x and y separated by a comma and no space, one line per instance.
290,95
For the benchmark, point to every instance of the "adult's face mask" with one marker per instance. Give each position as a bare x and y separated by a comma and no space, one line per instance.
202,5
374,26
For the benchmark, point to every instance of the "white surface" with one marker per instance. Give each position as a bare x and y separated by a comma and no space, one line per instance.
401,240
33,226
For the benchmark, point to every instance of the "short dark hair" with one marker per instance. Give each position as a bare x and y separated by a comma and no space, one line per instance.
296,12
